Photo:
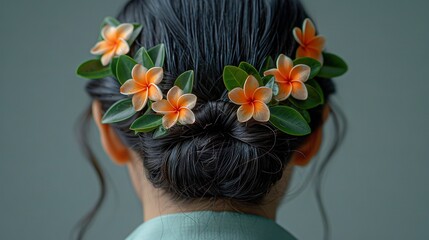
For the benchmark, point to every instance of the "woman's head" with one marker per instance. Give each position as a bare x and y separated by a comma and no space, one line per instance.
217,157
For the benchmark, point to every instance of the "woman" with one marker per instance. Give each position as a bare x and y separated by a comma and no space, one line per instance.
214,177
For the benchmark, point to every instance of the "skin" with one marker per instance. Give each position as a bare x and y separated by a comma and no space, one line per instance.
155,202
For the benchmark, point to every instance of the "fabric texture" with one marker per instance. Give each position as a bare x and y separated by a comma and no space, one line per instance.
209,225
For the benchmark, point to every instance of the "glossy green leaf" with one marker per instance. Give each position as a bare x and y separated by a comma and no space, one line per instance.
157,55
267,64
113,66
304,113
333,66
124,67
250,70
314,99
146,123
143,58
111,21
93,69
119,111
136,31
233,77
316,85
312,63
289,120
159,132
185,81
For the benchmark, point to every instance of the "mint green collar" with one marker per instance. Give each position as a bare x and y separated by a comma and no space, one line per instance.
205,225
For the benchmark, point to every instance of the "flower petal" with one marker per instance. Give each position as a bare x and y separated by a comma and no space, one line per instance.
170,119
284,91
308,30
124,31
154,92
163,107
107,57
100,48
187,100
122,47
139,100
299,90
317,43
245,112
261,112
250,85
300,72
284,65
186,116
108,33
263,94
173,95
154,75
139,74
297,33
308,52
237,96
130,87
277,75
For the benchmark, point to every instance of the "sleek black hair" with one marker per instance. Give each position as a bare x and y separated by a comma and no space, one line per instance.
217,157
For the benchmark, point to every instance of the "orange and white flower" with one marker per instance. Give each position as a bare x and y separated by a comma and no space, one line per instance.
143,85
253,100
114,42
310,44
289,78
177,107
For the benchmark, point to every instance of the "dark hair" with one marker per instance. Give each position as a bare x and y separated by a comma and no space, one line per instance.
217,157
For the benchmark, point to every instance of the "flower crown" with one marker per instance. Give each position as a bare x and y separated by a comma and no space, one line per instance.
279,93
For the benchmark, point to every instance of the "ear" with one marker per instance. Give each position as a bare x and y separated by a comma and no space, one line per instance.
312,144
110,141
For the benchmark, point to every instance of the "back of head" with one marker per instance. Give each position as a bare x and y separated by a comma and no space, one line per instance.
217,157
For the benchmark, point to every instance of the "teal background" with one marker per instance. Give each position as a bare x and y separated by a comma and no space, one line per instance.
377,184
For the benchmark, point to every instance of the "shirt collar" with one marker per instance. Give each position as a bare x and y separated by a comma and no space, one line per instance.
204,225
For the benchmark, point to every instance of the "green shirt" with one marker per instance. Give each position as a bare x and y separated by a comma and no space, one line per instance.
205,225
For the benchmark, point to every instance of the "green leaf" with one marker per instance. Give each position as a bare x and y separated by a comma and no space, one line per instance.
111,21
93,69
313,100
185,81
250,70
160,132
146,123
124,67
137,28
119,111
312,63
315,84
233,77
157,54
113,66
333,66
271,83
288,120
304,113
142,57
267,64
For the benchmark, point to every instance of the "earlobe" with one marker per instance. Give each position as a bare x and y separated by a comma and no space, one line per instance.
110,141
312,145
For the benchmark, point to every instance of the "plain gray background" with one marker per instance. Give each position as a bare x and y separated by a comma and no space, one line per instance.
376,187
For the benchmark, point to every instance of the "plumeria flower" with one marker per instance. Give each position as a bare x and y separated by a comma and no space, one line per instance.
114,42
143,85
289,78
177,107
310,44
253,100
